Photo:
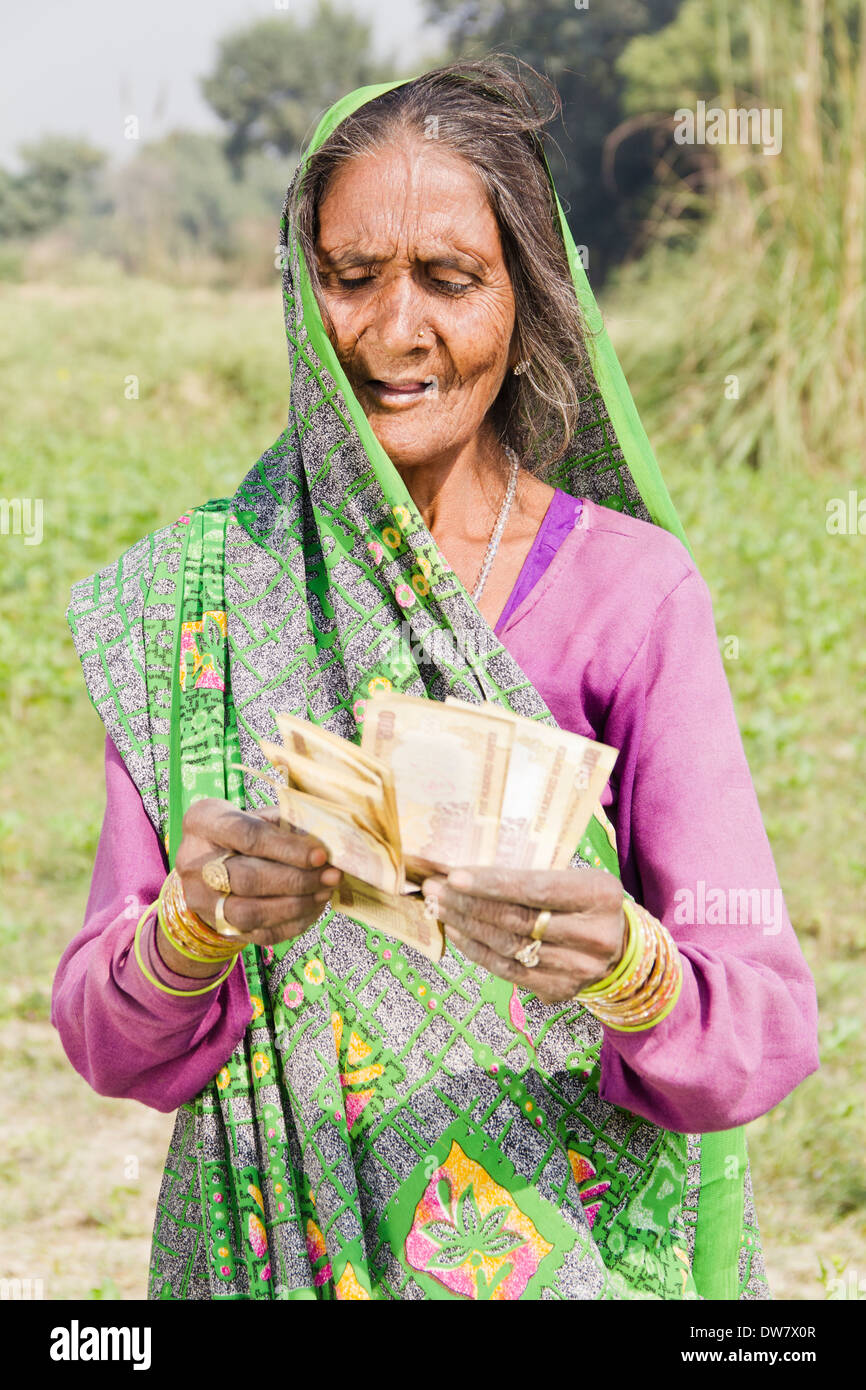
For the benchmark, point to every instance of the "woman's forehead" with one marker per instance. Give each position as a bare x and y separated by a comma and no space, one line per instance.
430,197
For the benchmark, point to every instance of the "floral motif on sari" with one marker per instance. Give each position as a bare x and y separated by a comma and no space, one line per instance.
201,649
470,1234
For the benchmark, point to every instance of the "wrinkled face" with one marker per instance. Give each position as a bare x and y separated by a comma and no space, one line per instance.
419,294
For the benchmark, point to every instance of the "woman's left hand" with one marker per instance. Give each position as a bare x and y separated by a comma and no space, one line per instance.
489,915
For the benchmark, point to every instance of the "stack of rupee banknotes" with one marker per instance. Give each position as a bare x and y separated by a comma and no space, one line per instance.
433,786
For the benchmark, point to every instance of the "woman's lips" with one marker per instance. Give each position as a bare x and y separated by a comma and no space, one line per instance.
397,392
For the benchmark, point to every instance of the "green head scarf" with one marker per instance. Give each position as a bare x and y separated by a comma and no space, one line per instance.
387,1127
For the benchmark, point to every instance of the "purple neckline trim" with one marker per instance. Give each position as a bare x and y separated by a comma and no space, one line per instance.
560,519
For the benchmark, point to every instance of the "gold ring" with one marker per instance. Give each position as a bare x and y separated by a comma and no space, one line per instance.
542,922
221,925
216,875
528,954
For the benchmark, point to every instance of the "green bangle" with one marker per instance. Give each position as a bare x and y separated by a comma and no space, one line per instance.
629,955
174,945
183,993
651,1023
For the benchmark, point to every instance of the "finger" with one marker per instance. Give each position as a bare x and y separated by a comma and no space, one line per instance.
499,925
508,916
587,948
547,983
559,890
225,825
284,931
254,916
506,944
251,877
577,932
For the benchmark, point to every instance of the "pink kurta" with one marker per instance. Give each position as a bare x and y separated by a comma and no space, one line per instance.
613,625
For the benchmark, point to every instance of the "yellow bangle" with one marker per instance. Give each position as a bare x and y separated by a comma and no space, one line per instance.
647,975
651,1023
183,993
632,946
172,941
185,929
176,944
630,950
648,990
649,1001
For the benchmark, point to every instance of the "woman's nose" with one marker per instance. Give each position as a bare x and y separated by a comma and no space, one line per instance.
398,314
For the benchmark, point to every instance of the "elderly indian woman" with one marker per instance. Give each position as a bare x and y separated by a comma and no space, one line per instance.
554,1109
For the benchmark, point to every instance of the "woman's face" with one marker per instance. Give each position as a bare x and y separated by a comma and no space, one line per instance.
420,298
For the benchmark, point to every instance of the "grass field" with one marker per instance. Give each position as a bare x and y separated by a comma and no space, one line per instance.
79,1173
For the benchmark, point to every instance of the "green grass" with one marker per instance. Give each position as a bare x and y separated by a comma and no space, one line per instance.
212,379
744,339
213,382
792,596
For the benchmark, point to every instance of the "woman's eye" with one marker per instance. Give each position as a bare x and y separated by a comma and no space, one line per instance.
451,287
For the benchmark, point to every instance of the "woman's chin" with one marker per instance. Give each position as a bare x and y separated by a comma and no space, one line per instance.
409,448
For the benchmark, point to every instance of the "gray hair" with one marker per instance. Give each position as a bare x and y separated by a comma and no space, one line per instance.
491,115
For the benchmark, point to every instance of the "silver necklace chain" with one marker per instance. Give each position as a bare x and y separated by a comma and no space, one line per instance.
499,527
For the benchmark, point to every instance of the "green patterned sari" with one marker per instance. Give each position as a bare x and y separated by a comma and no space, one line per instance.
387,1128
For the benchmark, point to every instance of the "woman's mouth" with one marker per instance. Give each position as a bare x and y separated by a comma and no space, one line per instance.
400,393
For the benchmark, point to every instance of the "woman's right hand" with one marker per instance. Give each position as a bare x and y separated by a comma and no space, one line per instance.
280,879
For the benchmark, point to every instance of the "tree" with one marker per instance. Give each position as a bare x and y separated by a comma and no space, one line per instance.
275,77
58,178
177,199
578,49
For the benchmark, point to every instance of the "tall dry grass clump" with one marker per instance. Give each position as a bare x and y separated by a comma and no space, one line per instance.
753,335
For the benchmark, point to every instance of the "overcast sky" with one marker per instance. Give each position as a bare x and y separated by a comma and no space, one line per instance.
80,66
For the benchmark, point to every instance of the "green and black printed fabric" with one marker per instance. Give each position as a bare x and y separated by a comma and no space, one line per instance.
387,1128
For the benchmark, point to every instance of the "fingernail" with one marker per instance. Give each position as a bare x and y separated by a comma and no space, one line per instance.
318,857
331,876
460,879
322,897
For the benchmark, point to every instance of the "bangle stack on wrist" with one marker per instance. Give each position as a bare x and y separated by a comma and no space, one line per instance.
186,931
645,985
188,934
